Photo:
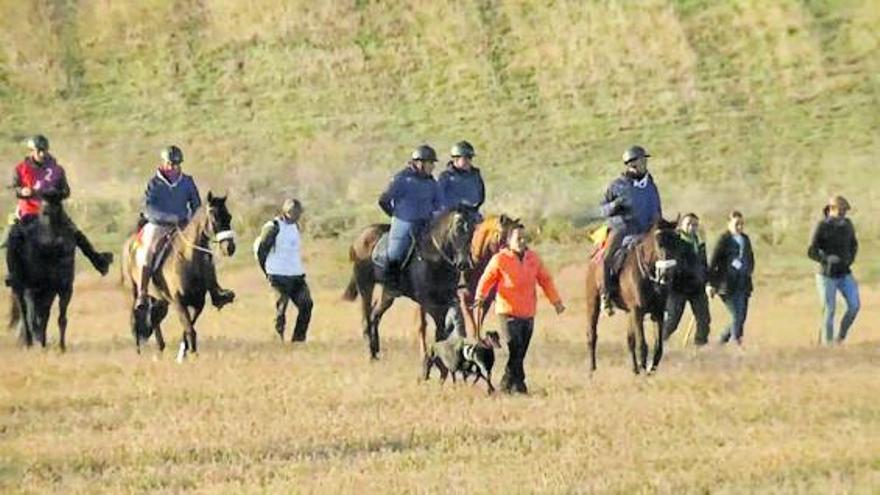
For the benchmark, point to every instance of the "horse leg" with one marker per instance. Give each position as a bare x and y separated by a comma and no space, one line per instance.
385,302
366,286
186,322
63,302
24,336
641,344
194,317
161,311
631,343
33,318
422,329
592,328
438,314
658,343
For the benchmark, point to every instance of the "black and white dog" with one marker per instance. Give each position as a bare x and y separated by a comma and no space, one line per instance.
468,357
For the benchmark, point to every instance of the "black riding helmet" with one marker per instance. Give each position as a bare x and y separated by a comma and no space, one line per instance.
633,153
172,154
462,148
424,153
38,142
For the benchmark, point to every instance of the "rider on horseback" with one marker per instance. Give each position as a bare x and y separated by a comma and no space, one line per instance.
410,200
170,201
632,206
461,182
36,179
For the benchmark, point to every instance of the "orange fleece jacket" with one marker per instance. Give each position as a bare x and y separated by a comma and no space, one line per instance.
516,281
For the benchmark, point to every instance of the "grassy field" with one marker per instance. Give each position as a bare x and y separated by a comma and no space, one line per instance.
767,107
250,414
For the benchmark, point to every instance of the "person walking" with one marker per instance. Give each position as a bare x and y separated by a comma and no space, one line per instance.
278,253
834,247
515,271
730,275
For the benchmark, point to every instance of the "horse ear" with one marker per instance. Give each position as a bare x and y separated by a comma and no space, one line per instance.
210,196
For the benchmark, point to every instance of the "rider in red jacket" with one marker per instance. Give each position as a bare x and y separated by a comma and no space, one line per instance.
36,179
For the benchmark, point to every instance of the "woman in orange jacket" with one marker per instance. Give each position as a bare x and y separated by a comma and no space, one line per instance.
515,270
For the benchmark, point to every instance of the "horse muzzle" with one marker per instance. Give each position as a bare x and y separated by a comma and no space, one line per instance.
226,239
663,270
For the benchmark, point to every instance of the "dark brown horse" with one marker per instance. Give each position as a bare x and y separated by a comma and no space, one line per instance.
642,291
184,276
47,271
489,237
430,278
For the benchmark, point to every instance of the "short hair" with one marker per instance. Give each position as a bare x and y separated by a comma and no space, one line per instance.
735,214
689,215
290,205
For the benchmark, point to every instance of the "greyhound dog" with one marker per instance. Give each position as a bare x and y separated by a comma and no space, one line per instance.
465,356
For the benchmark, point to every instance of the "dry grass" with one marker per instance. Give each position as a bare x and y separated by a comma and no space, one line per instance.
252,415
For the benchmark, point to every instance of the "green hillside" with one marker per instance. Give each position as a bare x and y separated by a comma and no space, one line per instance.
765,106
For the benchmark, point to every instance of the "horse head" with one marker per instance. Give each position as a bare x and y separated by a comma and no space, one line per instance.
454,241
220,223
667,249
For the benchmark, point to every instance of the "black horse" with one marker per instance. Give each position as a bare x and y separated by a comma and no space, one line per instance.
184,275
429,279
46,269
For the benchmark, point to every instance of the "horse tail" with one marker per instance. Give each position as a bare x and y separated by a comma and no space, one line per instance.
351,292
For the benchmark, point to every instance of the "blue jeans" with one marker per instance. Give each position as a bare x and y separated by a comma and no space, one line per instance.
828,287
737,305
399,238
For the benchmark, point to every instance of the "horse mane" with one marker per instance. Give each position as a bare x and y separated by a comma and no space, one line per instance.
487,237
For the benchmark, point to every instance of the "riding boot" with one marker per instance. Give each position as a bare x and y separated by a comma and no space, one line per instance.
607,302
392,274
101,261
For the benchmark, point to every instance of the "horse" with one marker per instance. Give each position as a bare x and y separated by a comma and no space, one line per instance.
643,278
47,271
489,237
429,278
183,277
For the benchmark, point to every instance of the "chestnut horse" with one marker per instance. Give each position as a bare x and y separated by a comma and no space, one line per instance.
643,278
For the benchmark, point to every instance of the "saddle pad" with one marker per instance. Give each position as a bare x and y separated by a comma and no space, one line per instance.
380,252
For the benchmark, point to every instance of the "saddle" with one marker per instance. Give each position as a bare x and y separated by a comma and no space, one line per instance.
618,257
379,255
162,249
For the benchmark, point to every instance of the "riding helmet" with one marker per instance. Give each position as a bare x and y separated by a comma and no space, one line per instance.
424,153
634,153
462,148
38,142
172,154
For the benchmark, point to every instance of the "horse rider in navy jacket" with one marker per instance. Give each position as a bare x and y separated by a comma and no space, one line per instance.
40,178
632,206
411,199
461,182
170,201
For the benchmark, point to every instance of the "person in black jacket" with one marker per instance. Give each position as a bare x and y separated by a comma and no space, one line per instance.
689,283
730,275
834,246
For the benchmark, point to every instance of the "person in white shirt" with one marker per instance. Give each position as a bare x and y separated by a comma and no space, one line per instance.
278,252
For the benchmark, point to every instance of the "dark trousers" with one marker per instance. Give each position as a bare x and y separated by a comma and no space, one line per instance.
675,308
518,333
293,289
738,306
615,240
